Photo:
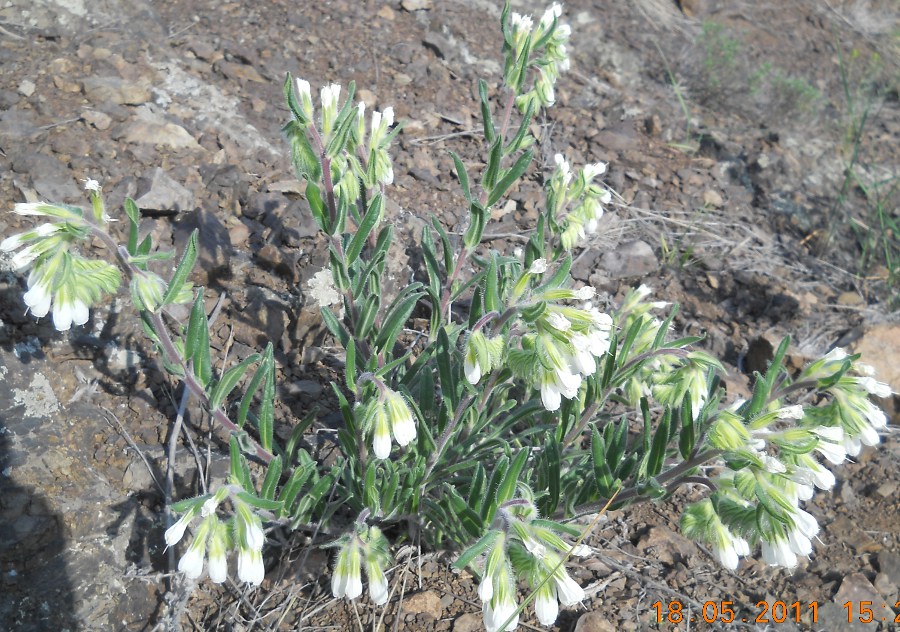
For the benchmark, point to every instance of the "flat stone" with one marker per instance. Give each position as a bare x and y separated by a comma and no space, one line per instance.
469,622
101,90
26,87
162,193
594,622
415,5
99,120
150,128
713,198
427,603
630,259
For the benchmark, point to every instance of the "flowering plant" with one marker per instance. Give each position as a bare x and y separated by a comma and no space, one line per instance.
521,406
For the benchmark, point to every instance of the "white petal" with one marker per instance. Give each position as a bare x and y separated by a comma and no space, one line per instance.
728,557
176,531
80,312
569,591
472,371
486,589
550,397
218,569
404,430
38,299
11,243
546,607
378,590
191,563
381,445
62,316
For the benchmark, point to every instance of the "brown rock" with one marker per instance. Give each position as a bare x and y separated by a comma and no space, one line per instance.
880,348
103,90
713,198
469,622
594,622
666,545
427,603
99,120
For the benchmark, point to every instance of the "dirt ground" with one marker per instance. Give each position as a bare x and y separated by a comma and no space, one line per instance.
729,128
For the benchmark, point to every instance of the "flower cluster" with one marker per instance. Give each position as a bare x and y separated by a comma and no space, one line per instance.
542,47
576,204
561,344
482,356
771,464
366,547
524,546
388,415
353,156
214,538
59,278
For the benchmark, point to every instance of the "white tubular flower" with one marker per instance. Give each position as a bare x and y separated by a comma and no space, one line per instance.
305,94
250,566
831,445
45,209
497,612
582,360
217,548
728,548
68,310
585,293
592,170
778,552
567,589
556,383
176,531
191,563
378,586
38,299
558,322
92,185
403,424
218,565
874,387
471,367
546,605
472,363
538,266
381,436
346,582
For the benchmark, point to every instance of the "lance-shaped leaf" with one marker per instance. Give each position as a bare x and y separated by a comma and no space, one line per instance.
489,131
373,217
484,543
267,404
240,471
134,218
229,380
462,175
255,382
197,342
499,189
273,475
188,259
658,448
397,315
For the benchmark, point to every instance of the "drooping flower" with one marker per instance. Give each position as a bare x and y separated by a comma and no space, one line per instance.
346,582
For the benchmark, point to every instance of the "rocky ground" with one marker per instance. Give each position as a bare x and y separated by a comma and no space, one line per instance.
729,129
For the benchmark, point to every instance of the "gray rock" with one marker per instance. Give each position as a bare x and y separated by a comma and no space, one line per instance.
150,128
158,191
631,259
